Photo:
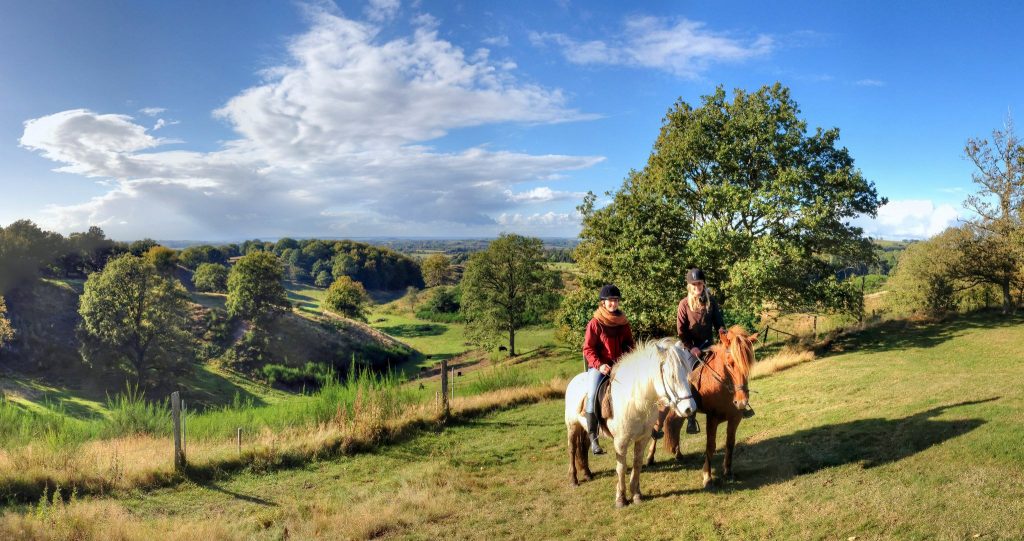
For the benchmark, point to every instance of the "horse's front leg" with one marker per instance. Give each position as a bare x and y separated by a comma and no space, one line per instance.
730,443
711,427
634,480
620,473
573,450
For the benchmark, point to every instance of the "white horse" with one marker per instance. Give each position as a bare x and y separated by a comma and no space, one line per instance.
652,374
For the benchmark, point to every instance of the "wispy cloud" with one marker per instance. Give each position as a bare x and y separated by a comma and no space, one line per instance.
152,111
337,138
380,11
869,82
497,41
684,48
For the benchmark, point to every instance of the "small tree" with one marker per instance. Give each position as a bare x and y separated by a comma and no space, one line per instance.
412,296
211,277
163,258
255,291
436,270
6,331
996,254
139,318
323,279
507,287
348,298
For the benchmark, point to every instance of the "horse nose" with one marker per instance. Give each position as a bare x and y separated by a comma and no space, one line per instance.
688,412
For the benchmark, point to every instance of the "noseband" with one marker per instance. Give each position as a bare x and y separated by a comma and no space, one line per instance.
671,397
721,379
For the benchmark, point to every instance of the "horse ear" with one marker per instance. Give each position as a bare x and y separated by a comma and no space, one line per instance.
753,338
724,337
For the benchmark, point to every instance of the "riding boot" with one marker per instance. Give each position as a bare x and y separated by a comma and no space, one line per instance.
691,425
748,413
592,430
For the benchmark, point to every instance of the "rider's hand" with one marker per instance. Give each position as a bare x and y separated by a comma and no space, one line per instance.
605,369
696,352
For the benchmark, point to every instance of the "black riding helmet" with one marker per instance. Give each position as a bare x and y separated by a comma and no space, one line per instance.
694,275
609,291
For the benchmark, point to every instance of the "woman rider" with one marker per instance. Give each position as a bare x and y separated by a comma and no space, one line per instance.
607,338
697,319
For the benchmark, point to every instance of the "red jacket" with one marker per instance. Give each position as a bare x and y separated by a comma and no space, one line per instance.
604,345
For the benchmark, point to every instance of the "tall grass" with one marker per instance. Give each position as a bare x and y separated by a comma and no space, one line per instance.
500,377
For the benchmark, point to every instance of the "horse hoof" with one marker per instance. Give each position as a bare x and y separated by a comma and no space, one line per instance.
573,483
679,457
730,478
619,504
650,462
637,498
587,477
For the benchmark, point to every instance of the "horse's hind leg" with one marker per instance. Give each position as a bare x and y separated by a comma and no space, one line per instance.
711,428
573,454
583,454
634,480
730,444
650,452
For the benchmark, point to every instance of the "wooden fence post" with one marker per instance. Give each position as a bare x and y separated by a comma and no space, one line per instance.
179,454
239,441
444,389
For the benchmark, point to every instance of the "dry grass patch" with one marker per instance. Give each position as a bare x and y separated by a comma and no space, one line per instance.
787,358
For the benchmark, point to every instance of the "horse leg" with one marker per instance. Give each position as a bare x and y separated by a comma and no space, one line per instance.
573,450
730,443
650,452
711,427
673,429
620,474
634,480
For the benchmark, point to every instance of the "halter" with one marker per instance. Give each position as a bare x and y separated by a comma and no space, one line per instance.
671,398
721,379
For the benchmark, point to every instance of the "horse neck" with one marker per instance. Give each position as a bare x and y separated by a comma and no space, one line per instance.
640,390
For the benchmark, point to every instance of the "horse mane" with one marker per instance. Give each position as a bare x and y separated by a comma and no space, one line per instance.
740,349
636,369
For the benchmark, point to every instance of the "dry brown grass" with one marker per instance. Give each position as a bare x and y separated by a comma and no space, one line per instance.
788,357
106,466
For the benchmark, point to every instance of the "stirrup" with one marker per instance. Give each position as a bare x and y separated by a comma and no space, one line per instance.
657,434
595,448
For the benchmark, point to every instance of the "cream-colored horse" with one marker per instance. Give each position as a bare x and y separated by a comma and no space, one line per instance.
651,374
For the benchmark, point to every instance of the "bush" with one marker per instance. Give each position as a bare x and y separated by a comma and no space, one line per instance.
211,277
348,298
312,375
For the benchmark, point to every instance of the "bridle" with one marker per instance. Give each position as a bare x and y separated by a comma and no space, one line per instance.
721,379
672,399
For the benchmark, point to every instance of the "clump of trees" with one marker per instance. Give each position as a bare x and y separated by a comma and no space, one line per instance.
135,321
741,188
436,270
211,277
507,287
6,331
348,298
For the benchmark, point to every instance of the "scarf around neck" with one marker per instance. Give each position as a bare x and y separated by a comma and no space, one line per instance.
610,319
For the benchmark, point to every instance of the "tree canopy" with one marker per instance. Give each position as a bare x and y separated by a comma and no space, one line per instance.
348,298
255,291
138,317
436,270
506,287
6,331
741,189
211,277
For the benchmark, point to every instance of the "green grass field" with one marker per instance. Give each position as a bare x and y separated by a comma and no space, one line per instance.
906,433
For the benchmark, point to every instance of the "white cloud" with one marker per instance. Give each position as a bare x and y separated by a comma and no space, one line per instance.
870,82
684,48
335,139
538,220
382,10
542,194
152,111
910,219
160,123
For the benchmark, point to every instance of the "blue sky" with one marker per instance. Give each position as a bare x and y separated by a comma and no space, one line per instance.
218,120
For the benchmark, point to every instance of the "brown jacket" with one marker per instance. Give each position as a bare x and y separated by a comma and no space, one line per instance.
698,328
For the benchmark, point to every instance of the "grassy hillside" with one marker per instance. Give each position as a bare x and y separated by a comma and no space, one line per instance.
909,432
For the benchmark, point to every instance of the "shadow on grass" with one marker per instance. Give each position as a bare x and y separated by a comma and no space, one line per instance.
901,334
415,330
238,495
869,442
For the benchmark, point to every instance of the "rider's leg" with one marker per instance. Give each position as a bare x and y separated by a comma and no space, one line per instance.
595,379
691,422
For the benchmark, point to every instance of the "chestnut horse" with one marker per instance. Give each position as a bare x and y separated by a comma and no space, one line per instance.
721,385
651,374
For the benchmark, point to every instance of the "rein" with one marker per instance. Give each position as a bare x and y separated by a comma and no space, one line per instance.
721,379
673,401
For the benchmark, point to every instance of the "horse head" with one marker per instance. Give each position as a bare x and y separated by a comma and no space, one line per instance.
676,389
738,361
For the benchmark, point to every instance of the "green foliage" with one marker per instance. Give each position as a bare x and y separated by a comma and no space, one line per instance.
25,249
574,312
135,320
6,331
131,414
742,190
194,256
926,279
255,291
311,375
211,277
323,279
139,248
436,270
348,298
507,287
163,258
444,300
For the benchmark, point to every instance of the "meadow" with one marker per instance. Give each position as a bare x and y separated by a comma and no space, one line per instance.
907,431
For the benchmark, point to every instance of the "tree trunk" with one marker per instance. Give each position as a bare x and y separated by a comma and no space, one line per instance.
1007,297
511,342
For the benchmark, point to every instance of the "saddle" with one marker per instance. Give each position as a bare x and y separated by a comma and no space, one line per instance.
603,404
